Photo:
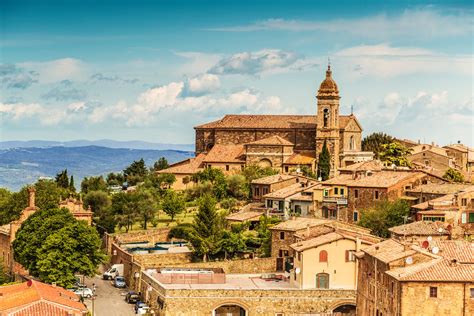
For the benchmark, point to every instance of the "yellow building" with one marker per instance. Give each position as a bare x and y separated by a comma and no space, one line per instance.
328,261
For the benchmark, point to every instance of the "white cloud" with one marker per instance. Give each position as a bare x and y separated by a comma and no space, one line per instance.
20,110
203,84
383,60
58,70
196,62
419,23
261,62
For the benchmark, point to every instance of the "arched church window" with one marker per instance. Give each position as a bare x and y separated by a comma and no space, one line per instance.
326,117
351,143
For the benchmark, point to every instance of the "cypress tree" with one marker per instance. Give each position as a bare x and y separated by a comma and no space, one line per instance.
72,188
324,163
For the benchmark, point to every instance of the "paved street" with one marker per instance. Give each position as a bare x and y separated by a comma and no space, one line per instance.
109,300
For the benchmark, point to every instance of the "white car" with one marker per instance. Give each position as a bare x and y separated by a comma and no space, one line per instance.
84,292
143,310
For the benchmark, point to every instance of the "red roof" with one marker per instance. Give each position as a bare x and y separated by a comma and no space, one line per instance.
38,299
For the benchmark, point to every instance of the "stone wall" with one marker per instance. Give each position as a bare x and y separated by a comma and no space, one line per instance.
304,139
162,260
255,302
150,235
250,266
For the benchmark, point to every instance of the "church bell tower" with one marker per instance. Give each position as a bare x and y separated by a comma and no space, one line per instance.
327,128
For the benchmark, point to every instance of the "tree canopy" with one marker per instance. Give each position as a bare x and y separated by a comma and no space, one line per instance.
54,246
453,175
160,164
384,215
374,142
173,203
93,184
395,153
135,172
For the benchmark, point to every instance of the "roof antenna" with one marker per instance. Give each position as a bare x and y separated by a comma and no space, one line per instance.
352,109
329,63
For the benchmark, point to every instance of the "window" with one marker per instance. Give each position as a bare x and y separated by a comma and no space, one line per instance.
325,117
269,203
356,193
265,191
356,216
299,257
209,166
298,209
433,291
350,256
227,167
472,292
257,191
433,218
471,217
342,191
351,143
326,192
463,202
286,169
336,190
282,235
376,194
323,256
281,205
322,281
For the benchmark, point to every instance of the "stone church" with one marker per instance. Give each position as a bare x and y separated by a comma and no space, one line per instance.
283,142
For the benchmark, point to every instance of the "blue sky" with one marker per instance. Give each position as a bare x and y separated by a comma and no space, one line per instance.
151,70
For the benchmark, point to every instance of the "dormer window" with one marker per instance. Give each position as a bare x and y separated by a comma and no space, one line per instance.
326,117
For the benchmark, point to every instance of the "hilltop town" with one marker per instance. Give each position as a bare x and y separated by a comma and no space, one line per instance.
275,215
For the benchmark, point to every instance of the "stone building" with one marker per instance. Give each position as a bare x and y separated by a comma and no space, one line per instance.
345,195
76,207
283,142
400,278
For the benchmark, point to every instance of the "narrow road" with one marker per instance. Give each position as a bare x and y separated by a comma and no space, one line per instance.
109,301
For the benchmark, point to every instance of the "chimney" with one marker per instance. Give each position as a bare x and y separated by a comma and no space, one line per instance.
31,197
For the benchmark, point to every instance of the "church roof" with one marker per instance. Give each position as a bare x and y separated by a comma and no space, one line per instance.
272,140
188,166
243,121
226,153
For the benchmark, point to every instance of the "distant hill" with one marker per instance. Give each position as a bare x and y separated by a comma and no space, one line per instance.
133,144
20,166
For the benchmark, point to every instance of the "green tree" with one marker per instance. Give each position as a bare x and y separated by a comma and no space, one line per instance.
453,175
93,184
217,178
395,153
232,242
99,201
160,164
264,235
72,188
384,215
237,186
122,208
324,163
205,237
307,172
144,205
136,172
54,246
162,180
173,204
374,142
62,179
115,178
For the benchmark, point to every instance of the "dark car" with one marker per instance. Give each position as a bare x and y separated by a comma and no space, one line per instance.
138,305
132,298
119,282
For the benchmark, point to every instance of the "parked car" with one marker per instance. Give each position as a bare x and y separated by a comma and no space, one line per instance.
139,305
143,310
84,292
119,282
132,297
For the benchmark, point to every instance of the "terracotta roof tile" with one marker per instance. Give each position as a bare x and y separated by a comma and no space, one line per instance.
226,153
188,166
244,216
364,166
378,179
299,224
269,121
290,190
421,228
441,188
389,250
316,241
274,179
300,159
272,140
20,296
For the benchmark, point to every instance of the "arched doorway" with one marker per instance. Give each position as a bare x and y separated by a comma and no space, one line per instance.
265,163
230,310
345,310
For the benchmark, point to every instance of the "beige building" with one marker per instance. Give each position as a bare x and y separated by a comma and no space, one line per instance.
436,278
76,207
328,260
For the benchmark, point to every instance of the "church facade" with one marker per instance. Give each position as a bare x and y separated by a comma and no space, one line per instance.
283,142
